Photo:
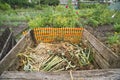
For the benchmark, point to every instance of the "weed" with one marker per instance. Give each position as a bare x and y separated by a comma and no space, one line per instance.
114,39
117,27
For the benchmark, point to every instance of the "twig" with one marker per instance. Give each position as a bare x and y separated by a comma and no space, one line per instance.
71,75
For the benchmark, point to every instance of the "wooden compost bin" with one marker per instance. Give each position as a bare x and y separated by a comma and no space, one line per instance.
107,60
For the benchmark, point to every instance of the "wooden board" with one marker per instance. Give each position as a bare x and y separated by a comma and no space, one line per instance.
98,59
3,37
8,60
103,55
9,43
104,74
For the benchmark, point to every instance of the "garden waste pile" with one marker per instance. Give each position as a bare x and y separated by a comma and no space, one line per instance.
55,57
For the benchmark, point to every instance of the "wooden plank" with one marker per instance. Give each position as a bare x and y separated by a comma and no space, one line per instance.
6,47
8,60
104,74
4,37
104,51
13,41
100,61
21,28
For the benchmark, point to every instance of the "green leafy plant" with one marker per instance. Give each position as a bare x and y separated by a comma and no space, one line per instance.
88,5
117,27
38,7
93,22
49,2
4,6
58,16
17,3
37,22
114,39
116,18
100,16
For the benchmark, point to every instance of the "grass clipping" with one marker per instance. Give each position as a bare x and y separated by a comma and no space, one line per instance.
55,57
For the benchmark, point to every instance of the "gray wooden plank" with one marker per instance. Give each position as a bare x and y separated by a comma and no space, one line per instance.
103,74
6,46
100,61
104,51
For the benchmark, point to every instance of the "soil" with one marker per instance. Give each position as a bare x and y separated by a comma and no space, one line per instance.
102,33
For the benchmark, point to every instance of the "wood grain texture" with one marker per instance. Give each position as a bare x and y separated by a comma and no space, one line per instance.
106,54
98,59
104,74
9,43
3,37
6,46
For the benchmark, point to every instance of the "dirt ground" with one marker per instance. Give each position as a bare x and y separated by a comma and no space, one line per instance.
102,33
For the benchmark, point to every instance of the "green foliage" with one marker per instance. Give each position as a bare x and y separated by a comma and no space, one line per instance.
37,22
14,18
117,27
52,2
4,6
93,22
116,19
49,2
100,16
106,17
86,13
114,39
60,8
58,16
17,3
87,5
0,22
38,7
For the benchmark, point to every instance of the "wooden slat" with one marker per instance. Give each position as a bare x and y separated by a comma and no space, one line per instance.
104,74
4,37
101,62
7,46
102,50
8,60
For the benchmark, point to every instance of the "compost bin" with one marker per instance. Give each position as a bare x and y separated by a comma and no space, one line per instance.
104,58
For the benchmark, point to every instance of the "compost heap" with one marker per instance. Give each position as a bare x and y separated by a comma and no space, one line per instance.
55,57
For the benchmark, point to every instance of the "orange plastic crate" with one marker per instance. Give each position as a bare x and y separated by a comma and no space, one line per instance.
73,35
